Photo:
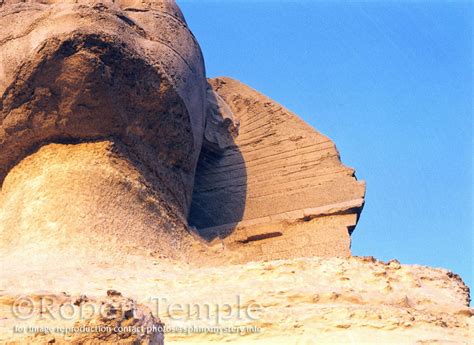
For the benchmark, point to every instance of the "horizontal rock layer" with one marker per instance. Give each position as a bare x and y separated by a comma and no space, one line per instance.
280,181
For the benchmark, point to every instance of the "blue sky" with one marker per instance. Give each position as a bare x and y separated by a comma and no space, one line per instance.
391,83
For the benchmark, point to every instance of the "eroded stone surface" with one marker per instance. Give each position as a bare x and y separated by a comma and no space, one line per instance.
92,70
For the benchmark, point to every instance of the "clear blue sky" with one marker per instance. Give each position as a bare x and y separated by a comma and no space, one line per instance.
391,84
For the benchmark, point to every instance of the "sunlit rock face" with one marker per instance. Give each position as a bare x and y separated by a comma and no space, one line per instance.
76,200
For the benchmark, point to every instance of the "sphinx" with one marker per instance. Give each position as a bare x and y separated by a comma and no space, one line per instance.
113,141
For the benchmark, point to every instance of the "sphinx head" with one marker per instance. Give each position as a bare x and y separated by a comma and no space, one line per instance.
105,111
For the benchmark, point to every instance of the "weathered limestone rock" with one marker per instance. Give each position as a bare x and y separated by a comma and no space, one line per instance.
303,300
280,190
102,114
